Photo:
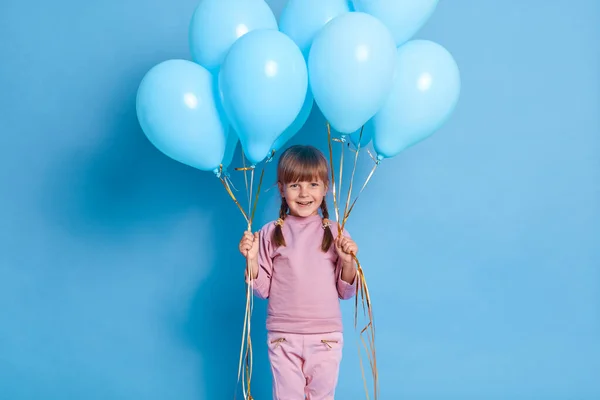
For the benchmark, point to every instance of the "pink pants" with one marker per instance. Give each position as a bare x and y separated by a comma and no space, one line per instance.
305,366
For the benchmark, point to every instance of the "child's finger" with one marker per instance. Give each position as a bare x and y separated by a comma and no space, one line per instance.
349,247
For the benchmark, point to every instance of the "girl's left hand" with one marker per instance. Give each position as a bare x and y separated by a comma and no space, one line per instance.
345,247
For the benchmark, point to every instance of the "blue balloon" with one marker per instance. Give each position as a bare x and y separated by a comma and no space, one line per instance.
231,144
424,94
297,124
217,24
404,18
177,111
351,65
302,19
263,83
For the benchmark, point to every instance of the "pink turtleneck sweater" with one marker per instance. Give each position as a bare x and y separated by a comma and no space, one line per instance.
303,284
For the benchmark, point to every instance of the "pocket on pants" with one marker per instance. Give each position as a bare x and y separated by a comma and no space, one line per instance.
333,341
276,341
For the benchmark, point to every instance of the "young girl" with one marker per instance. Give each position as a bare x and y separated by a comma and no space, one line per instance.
301,265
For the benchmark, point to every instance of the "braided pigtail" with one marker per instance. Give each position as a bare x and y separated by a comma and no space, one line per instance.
278,238
328,235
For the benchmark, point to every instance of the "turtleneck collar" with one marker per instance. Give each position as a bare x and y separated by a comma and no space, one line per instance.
303,220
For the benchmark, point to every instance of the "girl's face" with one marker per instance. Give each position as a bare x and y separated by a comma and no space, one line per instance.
304,198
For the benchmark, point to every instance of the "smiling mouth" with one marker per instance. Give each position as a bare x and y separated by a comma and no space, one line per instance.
304,203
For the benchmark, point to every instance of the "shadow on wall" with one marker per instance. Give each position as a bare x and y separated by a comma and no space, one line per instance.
121,187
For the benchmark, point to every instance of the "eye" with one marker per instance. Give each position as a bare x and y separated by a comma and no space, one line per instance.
315,184
293,185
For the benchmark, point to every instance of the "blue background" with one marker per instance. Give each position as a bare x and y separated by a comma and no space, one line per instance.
119,271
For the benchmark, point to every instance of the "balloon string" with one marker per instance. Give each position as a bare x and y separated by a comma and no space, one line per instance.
249,299
363,293
335,205
225,181
230,183
245,361
245,364
250,197
245,169
359,193
368,330
244,374
260,182
348,197
372,157
341,229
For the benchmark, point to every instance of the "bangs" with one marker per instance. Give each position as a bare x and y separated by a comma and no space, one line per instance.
302,164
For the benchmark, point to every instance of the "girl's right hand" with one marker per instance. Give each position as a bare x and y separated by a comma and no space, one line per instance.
249,245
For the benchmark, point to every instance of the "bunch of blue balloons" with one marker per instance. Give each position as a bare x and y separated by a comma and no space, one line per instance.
255,81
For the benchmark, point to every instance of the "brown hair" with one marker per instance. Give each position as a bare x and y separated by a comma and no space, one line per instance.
300,164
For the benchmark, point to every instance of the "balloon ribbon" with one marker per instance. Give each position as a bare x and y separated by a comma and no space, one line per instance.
367,333
246,359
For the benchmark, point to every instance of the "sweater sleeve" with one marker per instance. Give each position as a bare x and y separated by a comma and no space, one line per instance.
345,290
262,283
